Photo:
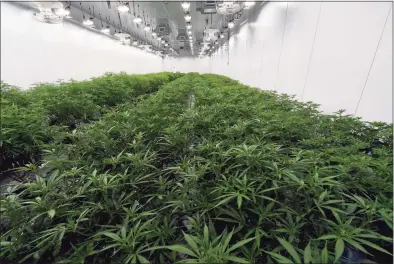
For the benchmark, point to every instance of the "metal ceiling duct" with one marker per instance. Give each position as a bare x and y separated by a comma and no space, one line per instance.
206,7
163,27
182,35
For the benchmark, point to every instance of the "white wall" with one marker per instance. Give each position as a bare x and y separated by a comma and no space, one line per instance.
38,52
333,75
347,37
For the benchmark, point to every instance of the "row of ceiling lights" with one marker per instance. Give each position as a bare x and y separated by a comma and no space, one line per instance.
122,8
230,25
188,18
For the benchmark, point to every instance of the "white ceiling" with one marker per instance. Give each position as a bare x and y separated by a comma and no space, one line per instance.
154,10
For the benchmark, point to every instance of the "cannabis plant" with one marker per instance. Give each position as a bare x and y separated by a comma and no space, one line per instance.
190,168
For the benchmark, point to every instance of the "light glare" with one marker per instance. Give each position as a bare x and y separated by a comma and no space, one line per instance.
185,5
123,8
147,27
88,22
105,30
249,4
137,20
188,17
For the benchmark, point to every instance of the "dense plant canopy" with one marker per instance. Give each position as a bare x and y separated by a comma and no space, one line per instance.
166,168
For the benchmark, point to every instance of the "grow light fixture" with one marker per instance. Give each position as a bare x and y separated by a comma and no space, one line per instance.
154,34
249,4
159,38
137,20
229,7
105,30
163,41
147,27
190,37
188,25
123,8
185,5
165,45
67,12
230,24
62,12
50,12
88,22
123,38
189,32
188,17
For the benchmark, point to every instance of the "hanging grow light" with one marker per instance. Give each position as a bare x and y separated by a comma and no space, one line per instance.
67,12
147,27
188,17
229,7
88,22
105,30
185,5
49,12
159,38
231,25
249,4
189,32
188,25
137,20
154,34
123,8
123,38
62,12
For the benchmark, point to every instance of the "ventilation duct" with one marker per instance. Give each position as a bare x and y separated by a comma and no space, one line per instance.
163,27
206,7
182,35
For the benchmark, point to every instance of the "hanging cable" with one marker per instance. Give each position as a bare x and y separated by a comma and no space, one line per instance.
120,21
310,57
261,61
373,60
83,15
281,46
228,47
